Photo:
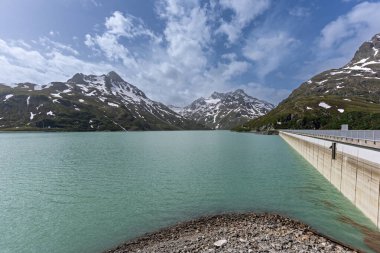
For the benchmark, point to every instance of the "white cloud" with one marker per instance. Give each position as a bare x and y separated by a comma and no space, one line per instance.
20,43
128,26
229,56
113,50
57,46
245,11
225,72
187,34
346,33
89,41
20,64
177,63
20,56
120,26
184,65
268,50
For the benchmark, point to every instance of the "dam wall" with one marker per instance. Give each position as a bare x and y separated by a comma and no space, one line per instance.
353,169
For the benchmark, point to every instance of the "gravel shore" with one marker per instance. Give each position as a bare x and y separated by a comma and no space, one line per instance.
234,233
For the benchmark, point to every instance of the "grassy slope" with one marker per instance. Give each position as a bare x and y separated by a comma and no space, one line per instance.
359,113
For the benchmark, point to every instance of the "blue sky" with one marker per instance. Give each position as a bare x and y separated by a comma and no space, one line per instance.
177,51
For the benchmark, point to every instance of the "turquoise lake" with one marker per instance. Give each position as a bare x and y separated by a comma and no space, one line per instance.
88,192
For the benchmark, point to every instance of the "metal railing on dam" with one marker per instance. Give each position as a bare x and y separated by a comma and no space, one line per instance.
366,135
368,138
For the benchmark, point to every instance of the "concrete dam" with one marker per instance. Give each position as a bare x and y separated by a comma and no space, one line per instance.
349,160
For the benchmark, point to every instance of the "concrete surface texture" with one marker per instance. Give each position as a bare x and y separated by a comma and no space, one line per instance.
355,171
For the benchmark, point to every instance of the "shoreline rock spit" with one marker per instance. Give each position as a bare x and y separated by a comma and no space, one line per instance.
235,233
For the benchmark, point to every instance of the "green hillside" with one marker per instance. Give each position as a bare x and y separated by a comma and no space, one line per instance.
348,95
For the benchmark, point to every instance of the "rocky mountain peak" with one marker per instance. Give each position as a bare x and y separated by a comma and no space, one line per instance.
368,51
114,77
77,78
217,95
239,92
111,77
376,39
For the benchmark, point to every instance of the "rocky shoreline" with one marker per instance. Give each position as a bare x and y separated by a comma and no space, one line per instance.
235,233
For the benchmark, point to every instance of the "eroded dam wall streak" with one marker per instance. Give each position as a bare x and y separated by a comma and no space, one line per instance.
355,171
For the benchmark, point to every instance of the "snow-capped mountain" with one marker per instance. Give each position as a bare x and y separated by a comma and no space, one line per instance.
347,95
360,77
226,110
85,102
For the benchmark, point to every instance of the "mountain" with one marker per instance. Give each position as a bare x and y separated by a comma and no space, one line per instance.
85,103
225,110
348,95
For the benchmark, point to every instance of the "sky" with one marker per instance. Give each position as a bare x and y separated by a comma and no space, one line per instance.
177,51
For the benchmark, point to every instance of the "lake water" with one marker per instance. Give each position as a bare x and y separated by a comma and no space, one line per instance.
87,192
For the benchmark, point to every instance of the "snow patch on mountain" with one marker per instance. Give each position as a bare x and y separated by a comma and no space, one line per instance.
361,69
8,97
32,115
324,105
113,104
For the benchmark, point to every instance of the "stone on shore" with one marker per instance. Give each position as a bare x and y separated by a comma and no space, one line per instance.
220,243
